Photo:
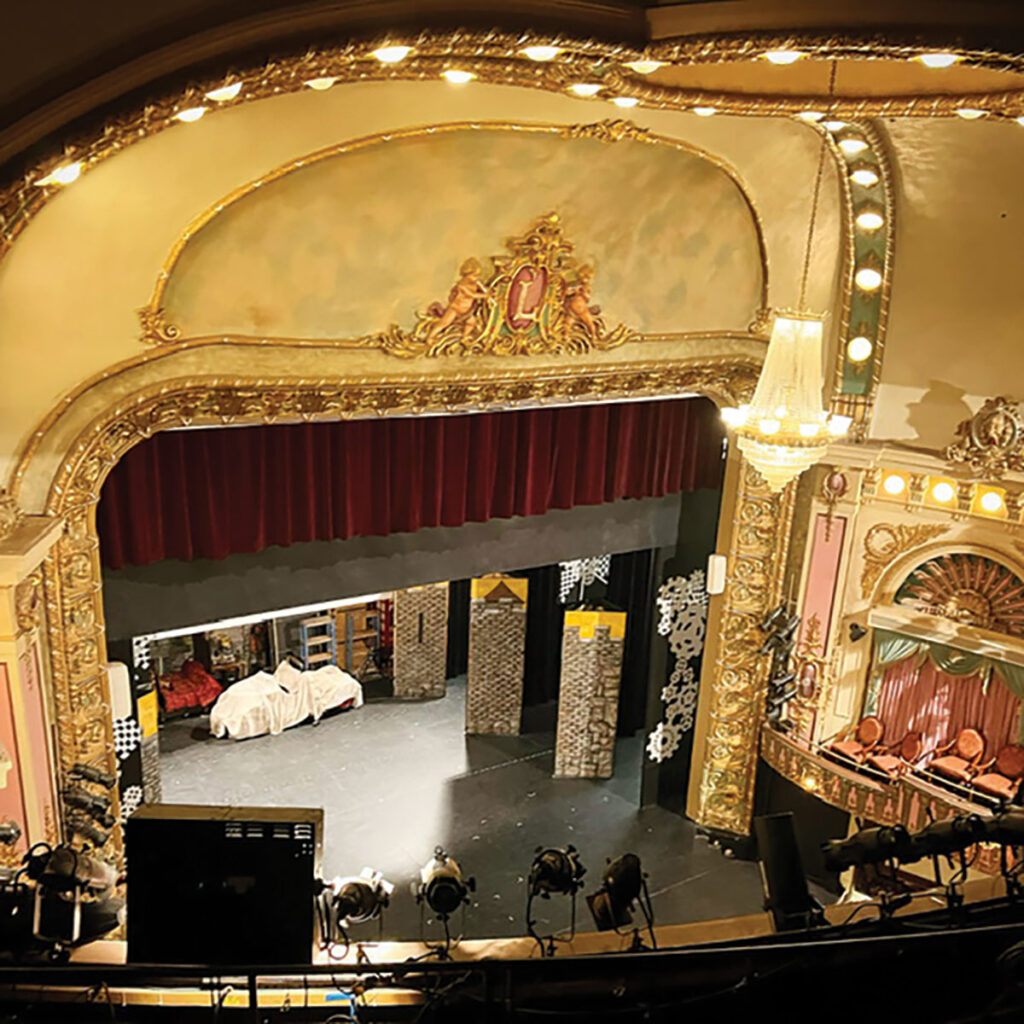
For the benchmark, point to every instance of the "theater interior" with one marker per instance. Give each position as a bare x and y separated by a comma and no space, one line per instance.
511,511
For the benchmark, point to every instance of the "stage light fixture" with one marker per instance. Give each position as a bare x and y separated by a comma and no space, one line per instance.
361,899
857,631
442,886
556,870
78,823
90,773
622,884
942,838
10,832
868,846
1005,828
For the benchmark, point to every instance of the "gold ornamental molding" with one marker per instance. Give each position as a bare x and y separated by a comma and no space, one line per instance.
756,561
498,57
540,243
885,542
28,602
991,442
11,514
72,576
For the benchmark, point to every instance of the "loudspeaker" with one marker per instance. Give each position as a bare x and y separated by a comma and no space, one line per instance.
222,885
782,874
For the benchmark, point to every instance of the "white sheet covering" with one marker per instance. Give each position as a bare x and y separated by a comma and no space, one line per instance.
265,703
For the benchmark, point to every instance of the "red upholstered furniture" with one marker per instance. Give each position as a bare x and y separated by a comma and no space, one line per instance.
192,687
962,762
863,742
899,757
1004,780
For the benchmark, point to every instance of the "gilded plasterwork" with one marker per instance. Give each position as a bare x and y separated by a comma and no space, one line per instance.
991,442
885,542
11,514
536,300
28,601
757,554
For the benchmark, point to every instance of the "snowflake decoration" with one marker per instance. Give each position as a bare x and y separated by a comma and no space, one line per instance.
127,736
682,604
582,571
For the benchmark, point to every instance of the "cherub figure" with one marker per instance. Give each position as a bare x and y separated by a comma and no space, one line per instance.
462,299
577,299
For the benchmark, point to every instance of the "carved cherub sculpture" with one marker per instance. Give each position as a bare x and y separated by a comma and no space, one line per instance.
577,299
462,299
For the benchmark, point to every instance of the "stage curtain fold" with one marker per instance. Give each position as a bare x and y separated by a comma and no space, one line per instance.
210,493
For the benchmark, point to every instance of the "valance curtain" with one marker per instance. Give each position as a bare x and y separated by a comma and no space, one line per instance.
214,492
908,656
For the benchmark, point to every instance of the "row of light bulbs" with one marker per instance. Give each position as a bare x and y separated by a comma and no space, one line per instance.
393,54
942,491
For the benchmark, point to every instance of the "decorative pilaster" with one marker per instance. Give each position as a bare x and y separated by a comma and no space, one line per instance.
755,529
588,694
421,641
497,650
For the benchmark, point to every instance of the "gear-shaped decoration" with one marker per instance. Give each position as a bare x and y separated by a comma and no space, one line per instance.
130,800
683,612
582,571
127,736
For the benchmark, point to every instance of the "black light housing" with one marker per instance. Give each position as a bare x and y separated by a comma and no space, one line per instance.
621,885
442,886
360,899
556,869
868,846
945,837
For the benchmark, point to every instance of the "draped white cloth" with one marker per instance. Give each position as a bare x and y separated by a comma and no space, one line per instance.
265,703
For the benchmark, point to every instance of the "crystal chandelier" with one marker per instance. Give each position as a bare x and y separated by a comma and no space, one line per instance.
784,430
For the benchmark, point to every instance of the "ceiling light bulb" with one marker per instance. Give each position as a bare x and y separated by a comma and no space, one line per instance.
991,501
859,348
943,491
838,424
868,279
1019,120
810,115
835,126
768,426
320,84
704,111
733,416
970,113
457,77
938,60
894,484
391,54
644,67
585,88
63,175
870,220
782,56
625,101
541,52
190,115
809,429
852,146
865,177
225,92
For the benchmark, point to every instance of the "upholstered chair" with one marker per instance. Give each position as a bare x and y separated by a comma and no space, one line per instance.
1008,771
960,758
900,757
865,740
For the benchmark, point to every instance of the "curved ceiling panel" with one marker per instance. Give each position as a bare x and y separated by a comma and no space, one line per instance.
352,242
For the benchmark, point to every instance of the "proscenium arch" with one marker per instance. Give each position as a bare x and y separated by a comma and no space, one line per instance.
73,574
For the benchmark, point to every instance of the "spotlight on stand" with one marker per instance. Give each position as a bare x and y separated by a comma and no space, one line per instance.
555,870
622,884
444,889
877,846
782,874
348,901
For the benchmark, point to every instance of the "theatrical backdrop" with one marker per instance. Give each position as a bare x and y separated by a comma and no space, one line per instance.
485,490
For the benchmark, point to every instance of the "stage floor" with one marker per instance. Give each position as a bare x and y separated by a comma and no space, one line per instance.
396,779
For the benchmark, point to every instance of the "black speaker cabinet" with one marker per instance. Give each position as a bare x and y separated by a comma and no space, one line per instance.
222,885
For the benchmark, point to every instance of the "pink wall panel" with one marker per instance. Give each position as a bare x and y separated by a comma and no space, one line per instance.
36,759
826,553
12,798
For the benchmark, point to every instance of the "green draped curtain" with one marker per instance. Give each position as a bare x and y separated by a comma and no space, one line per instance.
891,648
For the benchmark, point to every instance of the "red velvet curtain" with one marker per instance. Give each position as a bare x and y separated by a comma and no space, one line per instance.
214,492
938,705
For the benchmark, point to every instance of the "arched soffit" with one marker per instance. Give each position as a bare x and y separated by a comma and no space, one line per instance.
971,589
902,570
346,242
